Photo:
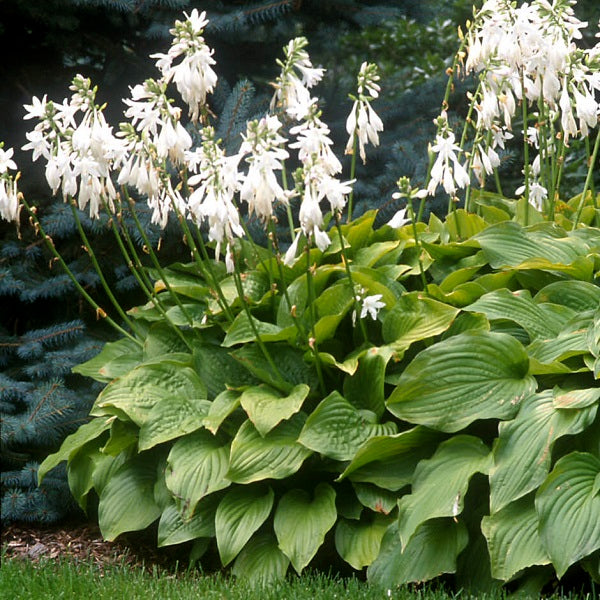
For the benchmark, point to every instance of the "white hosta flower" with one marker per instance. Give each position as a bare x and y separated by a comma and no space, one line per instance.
587,110
193,74
9,199
313,142
363,122
311,219
484,161
537,194
292,92
334,191
567,120
370,305
399,219
446,169
6,161
37,108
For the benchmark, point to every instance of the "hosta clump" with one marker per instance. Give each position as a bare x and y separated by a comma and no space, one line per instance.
421,396
492,369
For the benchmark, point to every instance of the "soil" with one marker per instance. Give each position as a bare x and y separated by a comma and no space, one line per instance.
81,541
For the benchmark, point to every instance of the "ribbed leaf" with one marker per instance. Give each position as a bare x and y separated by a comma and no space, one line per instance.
266,407
389,461
337,429
577,295
358,542
431,552
523,451
127,501
115,359
575,398
539,320
509,244
137,392
379,500
171,418
241,331
174,529
513,539
274,456
239,514
440,483
474,375
415,318
568,510
220,408
261,561
301,522
196,467
73,443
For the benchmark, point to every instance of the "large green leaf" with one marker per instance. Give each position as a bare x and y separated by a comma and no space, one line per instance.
415,318
196,467
474,375
174,529
115,359
358,542
440,483
242,331
127,501
377,499
337,429
137,392
539,320
73,443
301,522
509,244
171,418
220,408
274,456
364,389
431,552
568,507
261,562
513,539
577,295
239,514
523,451
389,461
267,407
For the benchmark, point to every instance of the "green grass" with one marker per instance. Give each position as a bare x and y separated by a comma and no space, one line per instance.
20,579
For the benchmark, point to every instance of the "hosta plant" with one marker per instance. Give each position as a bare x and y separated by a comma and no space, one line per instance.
422,397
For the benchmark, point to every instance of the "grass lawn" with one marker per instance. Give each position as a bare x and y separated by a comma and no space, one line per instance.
22,579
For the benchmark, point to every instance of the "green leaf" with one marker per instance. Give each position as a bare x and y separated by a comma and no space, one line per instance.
239,514
440,483
162,340
261,562
358,542
174,529
431,552
266,407
377,499
137,392
509,244
364,389
114,360
389,461
539,320
301,523
513,539
73,443
221,407
523,450
568,510
337,429
577,295
474,375
241,331
275,456
415,318
127,501
218,369
196,467
171,418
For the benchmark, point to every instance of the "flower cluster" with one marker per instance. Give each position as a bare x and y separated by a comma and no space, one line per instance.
363,124
9,196
80,153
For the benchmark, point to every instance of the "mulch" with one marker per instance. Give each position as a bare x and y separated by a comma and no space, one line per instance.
81,542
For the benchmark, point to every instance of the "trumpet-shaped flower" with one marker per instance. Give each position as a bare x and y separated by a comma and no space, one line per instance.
446,169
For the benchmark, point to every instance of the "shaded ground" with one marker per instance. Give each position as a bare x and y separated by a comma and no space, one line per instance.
80,541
